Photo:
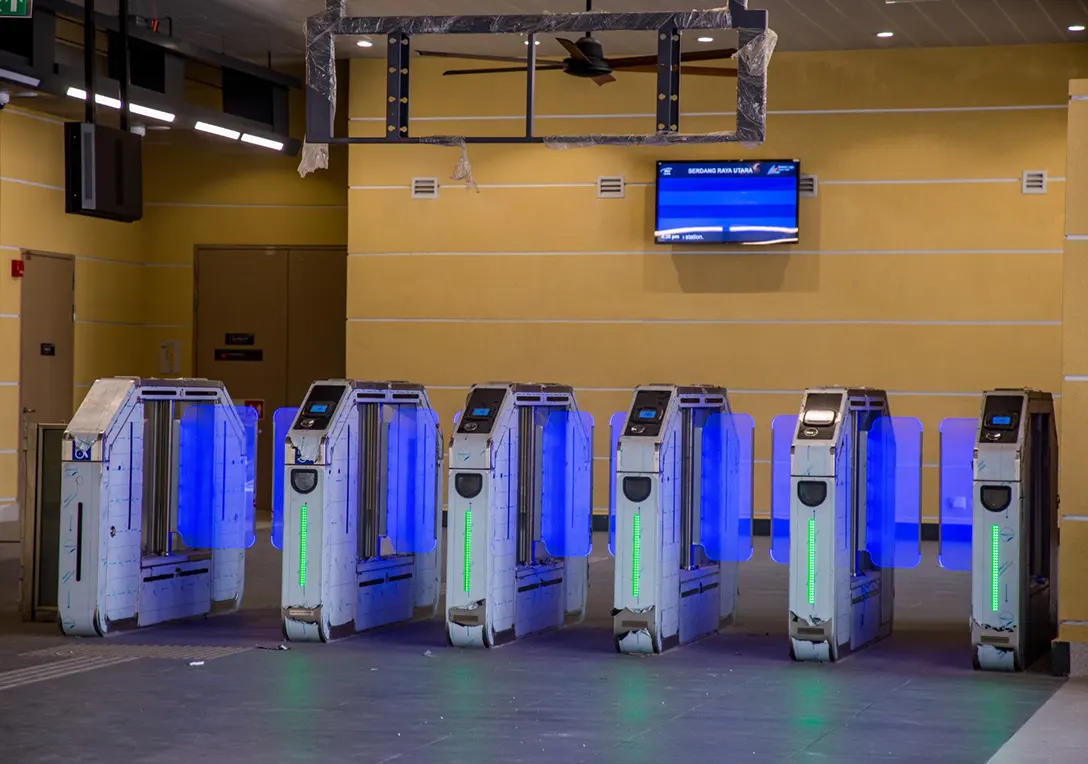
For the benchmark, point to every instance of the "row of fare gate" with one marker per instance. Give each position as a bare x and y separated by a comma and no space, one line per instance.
144,509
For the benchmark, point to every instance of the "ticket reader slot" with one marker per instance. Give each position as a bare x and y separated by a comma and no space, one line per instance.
680,515
845,512
998,507
356,508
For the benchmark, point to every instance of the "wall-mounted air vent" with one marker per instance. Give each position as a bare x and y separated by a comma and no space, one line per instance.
424,188
1033,182
611,187
808,186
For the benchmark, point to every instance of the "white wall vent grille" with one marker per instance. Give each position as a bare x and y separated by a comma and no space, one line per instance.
424,188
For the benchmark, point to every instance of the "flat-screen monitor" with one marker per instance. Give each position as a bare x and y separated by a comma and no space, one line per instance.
733,202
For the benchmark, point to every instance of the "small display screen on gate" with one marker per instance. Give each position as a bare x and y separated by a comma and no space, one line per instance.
481,412
319,408
1001,420
647,414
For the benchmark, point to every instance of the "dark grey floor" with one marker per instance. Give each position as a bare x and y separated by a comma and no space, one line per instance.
401,695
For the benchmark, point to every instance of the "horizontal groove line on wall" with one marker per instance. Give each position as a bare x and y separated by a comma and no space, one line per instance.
35,184
664,251
202,205
844,182
701,321
770,112
83,258
9,315
130,324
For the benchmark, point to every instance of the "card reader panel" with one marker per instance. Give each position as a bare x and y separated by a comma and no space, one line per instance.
318,408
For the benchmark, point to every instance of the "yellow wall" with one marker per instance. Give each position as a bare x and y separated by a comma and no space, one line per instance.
921,267
1073,561
108,271
134,282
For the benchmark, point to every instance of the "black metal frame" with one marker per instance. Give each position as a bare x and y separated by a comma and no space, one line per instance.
323,29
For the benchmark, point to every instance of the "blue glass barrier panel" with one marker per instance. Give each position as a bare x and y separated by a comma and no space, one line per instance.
410,494
893,488
726,490
583,482
957,492
216,476
615,431
565,507
782,431
457,417
281,425
744,428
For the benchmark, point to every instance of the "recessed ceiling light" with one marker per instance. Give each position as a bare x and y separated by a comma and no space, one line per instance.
1076,27
706,39
365,44
885,34
535,42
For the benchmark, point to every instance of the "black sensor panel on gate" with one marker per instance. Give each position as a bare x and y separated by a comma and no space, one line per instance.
819,416
647,413
319,406
1001,419
482,408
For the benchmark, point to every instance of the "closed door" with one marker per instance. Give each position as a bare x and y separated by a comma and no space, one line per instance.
318,296
47,336
241,336
268,322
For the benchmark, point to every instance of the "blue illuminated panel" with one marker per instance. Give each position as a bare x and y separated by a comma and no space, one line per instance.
748,202
647,414
957,491
566,501
1001,420
281,425
893,492
410,480
216,477
726,490
481,412
319,408
616,424
782,429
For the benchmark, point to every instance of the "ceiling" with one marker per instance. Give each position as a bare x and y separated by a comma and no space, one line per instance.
257,29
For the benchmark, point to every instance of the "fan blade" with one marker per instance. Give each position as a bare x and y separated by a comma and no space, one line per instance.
499,70
695,55
572,49
471,56
706,71
604,79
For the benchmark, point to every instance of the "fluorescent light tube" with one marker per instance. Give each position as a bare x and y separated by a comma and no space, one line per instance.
147,111
256,140
101,100
22,79
223,132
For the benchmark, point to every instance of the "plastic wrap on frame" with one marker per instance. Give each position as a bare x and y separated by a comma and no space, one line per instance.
753,59
463,170
321,74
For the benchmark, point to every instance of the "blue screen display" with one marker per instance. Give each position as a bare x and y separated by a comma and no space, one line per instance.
319,408
481,412
647,414
751,202
1001,420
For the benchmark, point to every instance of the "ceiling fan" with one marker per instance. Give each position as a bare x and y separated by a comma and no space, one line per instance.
587,60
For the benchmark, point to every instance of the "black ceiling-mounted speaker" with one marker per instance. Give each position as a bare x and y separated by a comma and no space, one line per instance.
103,172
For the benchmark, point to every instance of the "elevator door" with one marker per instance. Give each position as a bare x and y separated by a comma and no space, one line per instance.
268,322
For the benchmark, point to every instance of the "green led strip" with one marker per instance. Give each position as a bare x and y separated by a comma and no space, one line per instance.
636,555
812,561
468,548
303,532
995,535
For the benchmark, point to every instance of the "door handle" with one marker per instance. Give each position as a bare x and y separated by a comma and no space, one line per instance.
29,410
